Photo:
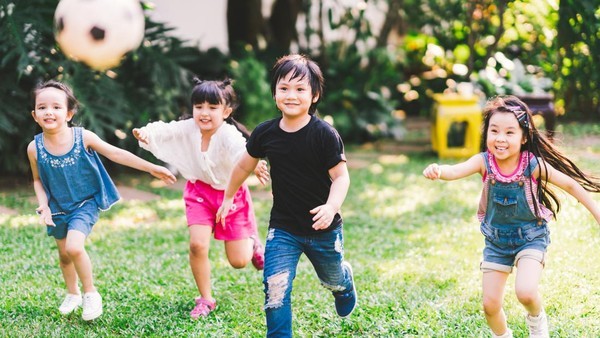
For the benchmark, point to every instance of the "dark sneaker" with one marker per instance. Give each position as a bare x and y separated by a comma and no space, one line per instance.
258,254
346,302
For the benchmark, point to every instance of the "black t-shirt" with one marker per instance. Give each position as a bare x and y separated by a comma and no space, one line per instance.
299,164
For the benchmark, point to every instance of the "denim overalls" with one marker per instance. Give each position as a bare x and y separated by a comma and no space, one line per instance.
509,225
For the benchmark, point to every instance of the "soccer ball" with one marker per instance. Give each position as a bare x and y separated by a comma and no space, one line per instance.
98,32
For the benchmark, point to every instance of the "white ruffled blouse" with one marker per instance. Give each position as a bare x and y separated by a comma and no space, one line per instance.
179,143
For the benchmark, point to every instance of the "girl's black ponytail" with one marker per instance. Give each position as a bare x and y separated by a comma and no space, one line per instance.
242,128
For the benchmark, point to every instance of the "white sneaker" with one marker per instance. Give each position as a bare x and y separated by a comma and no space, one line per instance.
70,304
92,305
538,326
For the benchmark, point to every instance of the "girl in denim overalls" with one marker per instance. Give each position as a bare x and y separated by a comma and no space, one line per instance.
72,186
516,206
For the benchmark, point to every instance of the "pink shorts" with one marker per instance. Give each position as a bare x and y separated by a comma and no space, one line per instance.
202,202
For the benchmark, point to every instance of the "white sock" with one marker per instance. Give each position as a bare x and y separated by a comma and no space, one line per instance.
538,317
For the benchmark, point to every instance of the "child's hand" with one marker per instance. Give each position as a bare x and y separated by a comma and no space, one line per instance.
262,172
224,210
163,174
45,216
140,135
433,171
324,215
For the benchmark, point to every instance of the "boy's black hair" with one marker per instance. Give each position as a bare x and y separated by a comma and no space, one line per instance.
300,66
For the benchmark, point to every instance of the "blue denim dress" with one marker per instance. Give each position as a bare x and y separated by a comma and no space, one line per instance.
72,179
509,225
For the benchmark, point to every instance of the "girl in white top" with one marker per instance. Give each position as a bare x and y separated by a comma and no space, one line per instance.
204,150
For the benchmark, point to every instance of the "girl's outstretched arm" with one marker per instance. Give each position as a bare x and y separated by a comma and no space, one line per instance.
447,172
126,158
569,185
43,209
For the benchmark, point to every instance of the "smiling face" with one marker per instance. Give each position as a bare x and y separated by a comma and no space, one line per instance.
51,110
293,96
209,117
504,136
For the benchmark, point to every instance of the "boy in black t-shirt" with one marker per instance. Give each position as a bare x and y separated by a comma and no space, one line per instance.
310,182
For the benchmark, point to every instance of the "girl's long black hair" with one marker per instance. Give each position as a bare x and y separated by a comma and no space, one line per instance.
539,146
218,92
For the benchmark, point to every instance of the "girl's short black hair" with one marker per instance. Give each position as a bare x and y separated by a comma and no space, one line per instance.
300,66
218,92
214,92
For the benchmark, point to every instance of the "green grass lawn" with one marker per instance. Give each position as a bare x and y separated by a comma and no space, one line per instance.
414,244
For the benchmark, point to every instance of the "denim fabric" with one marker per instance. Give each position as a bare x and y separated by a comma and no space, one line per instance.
74,177
81,219
326,253
509,225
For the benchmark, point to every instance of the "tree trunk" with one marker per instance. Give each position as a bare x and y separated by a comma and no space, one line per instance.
393,21
282,25
244,24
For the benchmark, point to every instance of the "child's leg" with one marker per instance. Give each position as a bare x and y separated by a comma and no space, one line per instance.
326,253
493,295
242,243
239,252
67,267
83,265
282,254
199,244
529,272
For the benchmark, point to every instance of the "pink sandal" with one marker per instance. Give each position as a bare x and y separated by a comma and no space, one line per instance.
203,308
258,254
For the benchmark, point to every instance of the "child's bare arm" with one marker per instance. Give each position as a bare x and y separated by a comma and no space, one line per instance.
126,158
243,168
43,209
262,172
447,172
340,184
570,186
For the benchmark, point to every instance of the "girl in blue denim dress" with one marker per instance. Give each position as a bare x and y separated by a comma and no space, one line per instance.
516,205
71,186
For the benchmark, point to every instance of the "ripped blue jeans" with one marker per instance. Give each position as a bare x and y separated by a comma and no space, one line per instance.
282,253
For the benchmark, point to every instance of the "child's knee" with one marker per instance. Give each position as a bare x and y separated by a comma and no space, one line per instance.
237,262
74,250
198,248
276,288
526,296
64,258
492,305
